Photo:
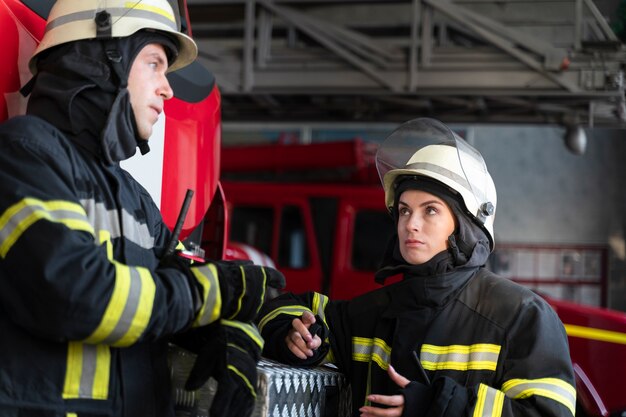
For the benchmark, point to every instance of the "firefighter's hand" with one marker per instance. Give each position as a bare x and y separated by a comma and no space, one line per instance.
243,286
299,340
233,290
231,358
394,403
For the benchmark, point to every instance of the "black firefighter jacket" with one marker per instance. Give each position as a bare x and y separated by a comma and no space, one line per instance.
84,311
487,347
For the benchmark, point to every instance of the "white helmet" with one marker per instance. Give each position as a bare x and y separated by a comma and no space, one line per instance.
72,20
427,147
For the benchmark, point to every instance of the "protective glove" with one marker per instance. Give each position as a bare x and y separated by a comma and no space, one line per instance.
242,287
230,355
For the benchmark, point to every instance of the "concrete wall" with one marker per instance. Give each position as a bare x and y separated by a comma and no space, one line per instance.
547,195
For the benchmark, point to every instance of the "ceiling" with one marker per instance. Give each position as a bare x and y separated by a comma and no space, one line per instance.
507,61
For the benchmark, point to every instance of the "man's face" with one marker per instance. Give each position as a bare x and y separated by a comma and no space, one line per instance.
148,87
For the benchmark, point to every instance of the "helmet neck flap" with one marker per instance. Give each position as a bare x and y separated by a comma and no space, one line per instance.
81,88
468,245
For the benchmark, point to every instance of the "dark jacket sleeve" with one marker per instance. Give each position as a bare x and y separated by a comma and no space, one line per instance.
275,322
59,278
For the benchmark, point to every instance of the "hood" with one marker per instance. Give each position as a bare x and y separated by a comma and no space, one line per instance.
80,88
468,245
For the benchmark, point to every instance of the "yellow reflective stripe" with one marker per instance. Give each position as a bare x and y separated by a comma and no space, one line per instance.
294,310
248,329
139,6
319,305
262,295
142,311
553,388
489,402
87,372
243,291
595,334
206,275
20,216
129,309
244,378
480,356
71,415
367,350
102,373
105,238
73,370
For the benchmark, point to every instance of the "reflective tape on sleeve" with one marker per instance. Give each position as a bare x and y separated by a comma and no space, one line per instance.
129,308
489,402
553,388
20,216
211,308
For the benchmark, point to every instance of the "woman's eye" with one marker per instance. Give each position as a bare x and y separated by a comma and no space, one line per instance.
404,211
431,210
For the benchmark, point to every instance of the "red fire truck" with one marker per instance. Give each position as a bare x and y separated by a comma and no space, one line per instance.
185,148
318,211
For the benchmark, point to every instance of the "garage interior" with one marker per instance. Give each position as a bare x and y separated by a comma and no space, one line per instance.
536,85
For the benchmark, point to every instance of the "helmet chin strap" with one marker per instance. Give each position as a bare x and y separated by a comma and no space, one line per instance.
143,146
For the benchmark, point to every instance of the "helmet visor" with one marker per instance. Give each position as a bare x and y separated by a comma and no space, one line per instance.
428,147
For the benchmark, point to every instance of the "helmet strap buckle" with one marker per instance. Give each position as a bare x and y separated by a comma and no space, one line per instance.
485,210
103,24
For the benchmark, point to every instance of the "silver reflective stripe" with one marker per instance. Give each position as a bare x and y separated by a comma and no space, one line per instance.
116,14
481,356
553,388
451,175
489,402
88,373
108,220
129,311
20,216
367,350
209,312
54,215
471,359
319,303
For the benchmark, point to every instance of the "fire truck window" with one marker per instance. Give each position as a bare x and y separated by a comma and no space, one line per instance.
253,225
372,230
324,213
293,251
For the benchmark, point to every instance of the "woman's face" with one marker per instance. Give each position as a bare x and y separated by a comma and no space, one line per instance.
424,224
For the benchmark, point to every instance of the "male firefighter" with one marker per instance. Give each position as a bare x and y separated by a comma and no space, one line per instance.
88,301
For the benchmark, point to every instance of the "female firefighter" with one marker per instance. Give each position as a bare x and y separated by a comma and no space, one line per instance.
451,338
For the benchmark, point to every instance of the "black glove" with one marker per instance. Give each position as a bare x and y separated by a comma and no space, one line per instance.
242,287
230,355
